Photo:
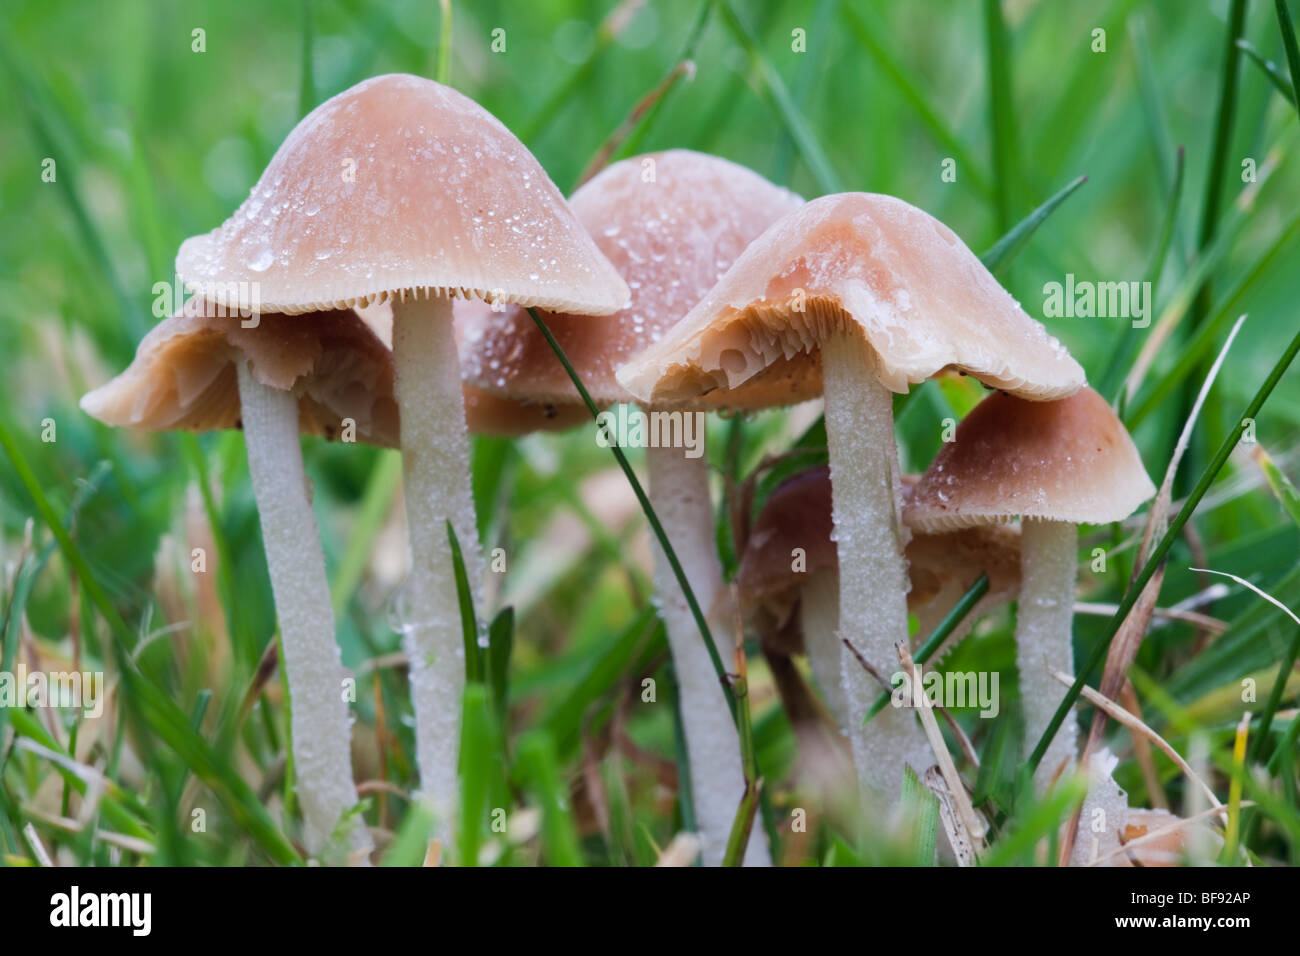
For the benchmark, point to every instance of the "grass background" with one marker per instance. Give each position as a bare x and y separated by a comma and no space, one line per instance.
155,142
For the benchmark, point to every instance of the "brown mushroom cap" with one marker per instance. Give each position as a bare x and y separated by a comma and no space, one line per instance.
401,186
183,375
941,566
856,262
487,413
670,237
1069,460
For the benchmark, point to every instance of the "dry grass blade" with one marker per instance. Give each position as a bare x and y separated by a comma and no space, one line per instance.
970,820
69,825
1123,650
1128,640
866,666
1159,519
957,838
607,149
42,854
1122,716
1246,584
1156,835
1156,795
682,851
1202,621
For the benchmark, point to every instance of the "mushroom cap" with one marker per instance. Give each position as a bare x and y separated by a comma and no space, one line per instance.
941,566
487,413
396,186
183,374
671,237
1068,460
862,263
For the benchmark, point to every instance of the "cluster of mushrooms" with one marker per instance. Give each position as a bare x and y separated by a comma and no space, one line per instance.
398,238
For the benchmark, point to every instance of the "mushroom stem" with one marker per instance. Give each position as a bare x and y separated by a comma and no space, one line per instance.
320,724
679,493
436,488
865,498
1049,557
819,618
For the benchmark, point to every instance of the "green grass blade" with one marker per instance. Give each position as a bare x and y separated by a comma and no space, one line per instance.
921,810
563,722
1281,82
240,636
641,497
632,144
477,749
1112,380
158,711
1201,343
1000,254
411,844
538,764
444,42
932,643
782,104
501,642
868,33
1018,846
1001,113
1287,28
1224,118
376,503
1281,485
307,81
28,93
1175,528
1284,668
468,621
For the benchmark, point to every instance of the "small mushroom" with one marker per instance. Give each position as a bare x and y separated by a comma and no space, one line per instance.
861,296
200,370
1057,465
670,235
405,190
778,584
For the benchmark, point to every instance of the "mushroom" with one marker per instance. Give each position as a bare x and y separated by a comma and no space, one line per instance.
1056,465
777,584
863,295
671,223
201,369
403,189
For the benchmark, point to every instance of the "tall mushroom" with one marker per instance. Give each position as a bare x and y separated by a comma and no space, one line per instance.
201,370
1057,465
403,189
671,223
876,295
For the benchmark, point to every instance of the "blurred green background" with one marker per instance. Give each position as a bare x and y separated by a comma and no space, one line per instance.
155,142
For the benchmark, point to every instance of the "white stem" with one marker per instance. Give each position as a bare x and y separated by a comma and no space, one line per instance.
865,495
679,492
1048,560
320,725
819,618
436,488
